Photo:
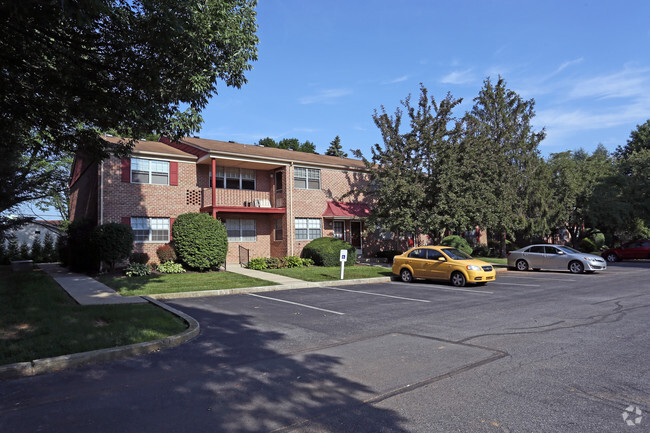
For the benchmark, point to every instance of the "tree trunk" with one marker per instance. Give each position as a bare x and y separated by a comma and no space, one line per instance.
504,251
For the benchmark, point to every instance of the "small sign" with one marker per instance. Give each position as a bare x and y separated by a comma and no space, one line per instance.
344,255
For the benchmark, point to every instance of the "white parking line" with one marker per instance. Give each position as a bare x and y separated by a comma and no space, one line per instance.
433,287
376,294
295,303
517,284
537,278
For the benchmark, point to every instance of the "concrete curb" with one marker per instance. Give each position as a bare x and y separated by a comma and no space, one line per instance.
275,288
51,365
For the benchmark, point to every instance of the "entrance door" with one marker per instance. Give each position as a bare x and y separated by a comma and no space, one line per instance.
355,234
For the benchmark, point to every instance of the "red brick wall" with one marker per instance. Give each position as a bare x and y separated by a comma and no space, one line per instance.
83,192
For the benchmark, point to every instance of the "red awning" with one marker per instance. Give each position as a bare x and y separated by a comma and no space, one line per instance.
340,210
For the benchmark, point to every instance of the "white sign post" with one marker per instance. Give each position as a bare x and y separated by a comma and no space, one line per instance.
343,257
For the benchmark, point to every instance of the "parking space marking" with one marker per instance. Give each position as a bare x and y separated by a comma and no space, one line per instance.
376,294
539,278
295,303
434,287
519,284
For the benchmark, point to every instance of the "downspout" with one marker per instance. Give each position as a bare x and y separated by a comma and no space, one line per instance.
101,194
290,221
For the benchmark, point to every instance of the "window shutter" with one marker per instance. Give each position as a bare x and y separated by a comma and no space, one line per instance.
173,173
126,221
126,170
171,223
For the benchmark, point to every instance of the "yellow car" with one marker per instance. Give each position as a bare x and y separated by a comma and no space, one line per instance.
442,263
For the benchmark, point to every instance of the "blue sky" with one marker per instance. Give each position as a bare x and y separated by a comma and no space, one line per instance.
325,66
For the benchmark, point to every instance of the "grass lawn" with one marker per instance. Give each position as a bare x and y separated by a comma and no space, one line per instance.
494,260
39,320
318,273
175,283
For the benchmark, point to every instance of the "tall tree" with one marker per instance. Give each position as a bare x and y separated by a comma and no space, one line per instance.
407,173
336,149
288,143
70,69
499,130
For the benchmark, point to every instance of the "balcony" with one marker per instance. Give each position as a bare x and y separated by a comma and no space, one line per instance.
243,201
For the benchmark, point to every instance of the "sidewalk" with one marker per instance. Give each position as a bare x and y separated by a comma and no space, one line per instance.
86,290
236,268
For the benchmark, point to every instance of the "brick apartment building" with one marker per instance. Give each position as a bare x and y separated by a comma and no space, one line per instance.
272,201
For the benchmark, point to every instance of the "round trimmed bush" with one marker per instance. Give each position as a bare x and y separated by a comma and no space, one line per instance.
457,242
200,241
326,251
113,242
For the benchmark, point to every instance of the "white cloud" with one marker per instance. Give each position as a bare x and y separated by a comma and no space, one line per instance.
459,77
396,80
565,65
327,96
629,83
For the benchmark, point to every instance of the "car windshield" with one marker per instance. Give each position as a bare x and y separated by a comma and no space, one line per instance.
456,254
568,250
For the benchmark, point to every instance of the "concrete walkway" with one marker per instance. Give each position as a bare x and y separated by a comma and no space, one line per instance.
86,290
236,268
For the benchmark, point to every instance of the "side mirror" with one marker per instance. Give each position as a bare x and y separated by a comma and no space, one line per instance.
442,259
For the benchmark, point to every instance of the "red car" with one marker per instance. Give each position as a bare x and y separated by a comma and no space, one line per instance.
630,250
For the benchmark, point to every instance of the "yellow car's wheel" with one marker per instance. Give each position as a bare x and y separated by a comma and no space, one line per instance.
458,279
406,275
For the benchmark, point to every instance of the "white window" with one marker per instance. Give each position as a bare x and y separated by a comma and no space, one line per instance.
306,178
339,229
149,171
234,178
308,228
150,229
279,229
241,230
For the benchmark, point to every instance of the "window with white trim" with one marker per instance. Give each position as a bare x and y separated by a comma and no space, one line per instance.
279,229
306,178
234,178
308,228
149,171
339,229
150,229
241,230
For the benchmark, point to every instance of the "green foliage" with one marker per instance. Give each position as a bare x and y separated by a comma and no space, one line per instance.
36,252
336,149
170,268
166,253
3,253
137,270
23,251
325,251
50,254
13,253
113,242
201,242
306,262
142,258
260,263
457,242
56,54
288,143
587,246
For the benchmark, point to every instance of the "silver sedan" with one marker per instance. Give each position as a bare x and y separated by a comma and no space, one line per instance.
554,257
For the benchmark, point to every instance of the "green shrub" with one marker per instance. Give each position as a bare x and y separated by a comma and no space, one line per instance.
37,250
113,242
201,242
137,270
257,264
308,262
166,254
325,251
457,242
49,253
482,251
12,250
142,258
294,262
170,268
587,245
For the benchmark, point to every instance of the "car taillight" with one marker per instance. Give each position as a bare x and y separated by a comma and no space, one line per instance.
508,253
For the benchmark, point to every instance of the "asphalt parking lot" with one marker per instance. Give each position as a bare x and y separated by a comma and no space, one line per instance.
534,351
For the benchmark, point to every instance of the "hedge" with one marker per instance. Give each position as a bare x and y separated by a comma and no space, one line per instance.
326,251
200,241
